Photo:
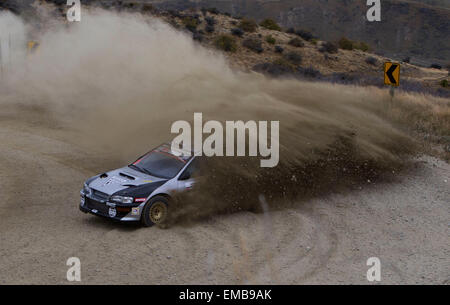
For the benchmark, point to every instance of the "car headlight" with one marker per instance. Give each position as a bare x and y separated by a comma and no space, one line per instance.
122,199
87,190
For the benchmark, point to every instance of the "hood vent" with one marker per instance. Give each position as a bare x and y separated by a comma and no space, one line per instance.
127,176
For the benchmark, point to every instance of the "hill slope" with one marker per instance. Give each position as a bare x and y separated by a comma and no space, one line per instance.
407,28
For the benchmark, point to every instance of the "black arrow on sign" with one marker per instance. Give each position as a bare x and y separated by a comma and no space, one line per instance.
389,73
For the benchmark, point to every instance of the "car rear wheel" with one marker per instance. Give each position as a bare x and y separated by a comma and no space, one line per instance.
155,211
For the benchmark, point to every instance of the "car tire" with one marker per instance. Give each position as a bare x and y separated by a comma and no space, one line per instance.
155,211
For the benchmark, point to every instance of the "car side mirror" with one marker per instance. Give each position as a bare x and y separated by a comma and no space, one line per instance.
185,176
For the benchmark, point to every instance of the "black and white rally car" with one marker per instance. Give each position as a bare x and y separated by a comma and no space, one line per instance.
141,190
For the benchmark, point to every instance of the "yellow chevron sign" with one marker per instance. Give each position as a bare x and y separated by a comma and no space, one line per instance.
392,73
32,46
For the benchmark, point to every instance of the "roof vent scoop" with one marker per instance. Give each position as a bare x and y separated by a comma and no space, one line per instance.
104,175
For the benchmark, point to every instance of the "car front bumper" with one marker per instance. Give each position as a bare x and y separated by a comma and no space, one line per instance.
109,210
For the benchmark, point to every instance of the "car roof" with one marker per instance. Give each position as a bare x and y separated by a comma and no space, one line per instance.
183,155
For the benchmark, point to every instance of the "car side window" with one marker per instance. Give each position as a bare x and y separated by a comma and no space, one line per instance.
189,171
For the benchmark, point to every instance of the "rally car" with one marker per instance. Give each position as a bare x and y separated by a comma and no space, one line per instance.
141,190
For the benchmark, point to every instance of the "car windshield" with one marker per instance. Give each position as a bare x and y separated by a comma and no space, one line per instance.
160,163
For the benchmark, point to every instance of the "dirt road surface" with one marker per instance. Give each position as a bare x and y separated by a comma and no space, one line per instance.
326,240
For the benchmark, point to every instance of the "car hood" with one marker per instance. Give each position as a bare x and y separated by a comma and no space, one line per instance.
120,179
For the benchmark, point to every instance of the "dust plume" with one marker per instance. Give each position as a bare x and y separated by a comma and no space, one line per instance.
116,82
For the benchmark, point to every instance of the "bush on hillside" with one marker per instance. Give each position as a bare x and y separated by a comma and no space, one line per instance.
345,44
359,45
436,66
147,8
197,36
248,25
237,32
309,72
209,28
294,57
296,42
213,10
371,61
253,44
306,35
190,23
270,39
290,31
329,47
225,43
270,24
279,49
210,21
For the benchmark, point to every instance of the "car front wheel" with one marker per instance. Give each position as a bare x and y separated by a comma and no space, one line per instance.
155,211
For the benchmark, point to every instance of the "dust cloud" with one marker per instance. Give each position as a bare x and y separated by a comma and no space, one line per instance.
116,82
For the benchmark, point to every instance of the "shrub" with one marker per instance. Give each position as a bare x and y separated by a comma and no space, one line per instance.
270,24
314,41
329,47
197,36
306,35
361,46
283,62
209,28
290,31
294,58
248,25
210,21
129,5
237,32
444,83
147,8
174,14
270,39
277,68
279,49
213,11
226,43
407,60
296,42
190,23
345,44
371,61
309,72
253,44
436,66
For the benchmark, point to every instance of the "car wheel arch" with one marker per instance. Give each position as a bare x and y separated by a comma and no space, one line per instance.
167,196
